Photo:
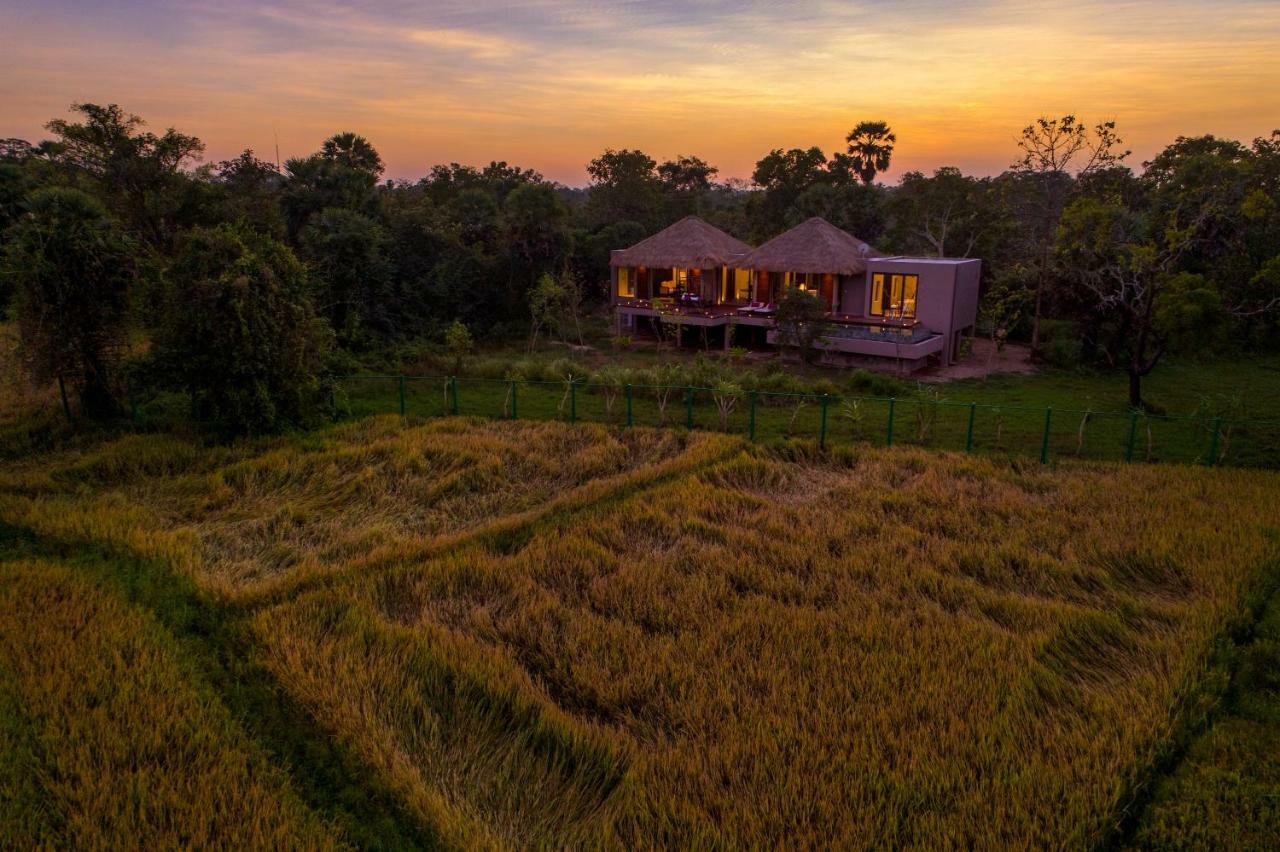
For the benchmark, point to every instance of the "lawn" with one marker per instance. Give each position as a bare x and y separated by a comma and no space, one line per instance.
513,634
1052,414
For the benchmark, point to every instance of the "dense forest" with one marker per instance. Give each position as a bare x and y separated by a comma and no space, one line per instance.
243,283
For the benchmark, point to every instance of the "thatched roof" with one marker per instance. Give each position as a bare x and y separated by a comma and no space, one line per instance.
814,245
689,243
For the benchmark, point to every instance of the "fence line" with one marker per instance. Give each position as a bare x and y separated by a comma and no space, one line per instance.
1043,433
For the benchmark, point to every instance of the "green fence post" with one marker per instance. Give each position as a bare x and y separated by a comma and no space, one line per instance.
888,435
514,411
822,429
402,396
1133,435
630,418
751,422
1044,443
573,402
968,441
453,384
1213,445
688,407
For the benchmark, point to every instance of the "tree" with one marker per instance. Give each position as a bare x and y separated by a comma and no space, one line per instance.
945,212
138,172
870,148
537,233
352,151
251,188
547,302
1110,252
685,180
343,174
240,335
624,186
1051,147
801,322
856,208
72,268
458,342
345,251
784,175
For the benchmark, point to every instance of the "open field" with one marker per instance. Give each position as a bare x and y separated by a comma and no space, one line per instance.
966,417
107,740
510,634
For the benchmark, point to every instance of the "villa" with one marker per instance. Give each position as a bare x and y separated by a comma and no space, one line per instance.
912,310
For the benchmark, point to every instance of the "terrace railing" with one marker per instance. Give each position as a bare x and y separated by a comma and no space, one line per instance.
1043,434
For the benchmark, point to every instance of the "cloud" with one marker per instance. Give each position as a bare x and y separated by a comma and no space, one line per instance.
549,84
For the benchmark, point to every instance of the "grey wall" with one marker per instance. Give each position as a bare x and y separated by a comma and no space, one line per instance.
946,299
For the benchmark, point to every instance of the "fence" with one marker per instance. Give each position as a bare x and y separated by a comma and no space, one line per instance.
1042,433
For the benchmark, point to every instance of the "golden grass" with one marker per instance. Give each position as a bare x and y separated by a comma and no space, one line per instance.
913,651
121,750
267,513
546,635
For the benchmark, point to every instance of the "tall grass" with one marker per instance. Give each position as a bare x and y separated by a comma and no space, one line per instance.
534,634
107,743
904,651
247,517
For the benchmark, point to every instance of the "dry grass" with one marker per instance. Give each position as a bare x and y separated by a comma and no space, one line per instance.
272,512
108,744
545,635
915,651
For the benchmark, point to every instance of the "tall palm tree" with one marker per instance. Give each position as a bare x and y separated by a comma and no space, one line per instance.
353,151
870,147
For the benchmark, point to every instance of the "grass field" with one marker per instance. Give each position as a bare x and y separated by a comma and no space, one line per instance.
1055,415
513,634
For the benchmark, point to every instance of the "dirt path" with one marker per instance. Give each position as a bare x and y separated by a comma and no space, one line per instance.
1013,358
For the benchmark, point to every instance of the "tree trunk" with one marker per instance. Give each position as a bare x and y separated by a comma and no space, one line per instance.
1035,317
1135,385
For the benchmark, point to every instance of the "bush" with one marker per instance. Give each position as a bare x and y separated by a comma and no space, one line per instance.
240,334
1061,343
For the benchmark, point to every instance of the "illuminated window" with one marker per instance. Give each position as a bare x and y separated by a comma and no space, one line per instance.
898,299
741,284
626,283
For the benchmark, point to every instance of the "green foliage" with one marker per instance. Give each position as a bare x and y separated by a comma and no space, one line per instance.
240,335
801,323
458,342
72,268
870,149
346,255
1190,314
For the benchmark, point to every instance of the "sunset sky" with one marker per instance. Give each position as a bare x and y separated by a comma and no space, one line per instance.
550,84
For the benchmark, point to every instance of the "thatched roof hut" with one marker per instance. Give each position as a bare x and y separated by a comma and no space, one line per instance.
816,246
688,244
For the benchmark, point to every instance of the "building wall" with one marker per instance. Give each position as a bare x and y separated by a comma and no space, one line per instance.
946,298
853,294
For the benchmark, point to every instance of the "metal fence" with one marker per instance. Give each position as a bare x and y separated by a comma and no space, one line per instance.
1043,433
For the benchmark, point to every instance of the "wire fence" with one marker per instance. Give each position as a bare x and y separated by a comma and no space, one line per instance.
1043,433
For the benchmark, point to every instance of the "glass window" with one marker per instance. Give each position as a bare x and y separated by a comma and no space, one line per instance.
899,301
741,284
877,294
626,283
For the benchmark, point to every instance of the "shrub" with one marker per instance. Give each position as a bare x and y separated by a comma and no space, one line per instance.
1060,343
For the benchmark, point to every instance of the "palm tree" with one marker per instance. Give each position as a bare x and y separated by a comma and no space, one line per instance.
353,151
870,147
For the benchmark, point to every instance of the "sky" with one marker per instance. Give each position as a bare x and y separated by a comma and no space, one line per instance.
549,84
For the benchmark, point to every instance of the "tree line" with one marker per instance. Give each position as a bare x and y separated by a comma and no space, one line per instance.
243,283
